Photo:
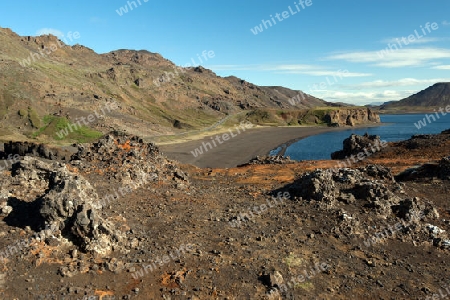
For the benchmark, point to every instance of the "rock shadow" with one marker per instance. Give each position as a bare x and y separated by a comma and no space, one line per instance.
25,214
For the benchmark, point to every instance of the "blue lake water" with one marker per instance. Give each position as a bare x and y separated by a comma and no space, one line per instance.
395,128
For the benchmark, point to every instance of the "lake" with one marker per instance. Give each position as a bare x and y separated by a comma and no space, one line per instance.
393,128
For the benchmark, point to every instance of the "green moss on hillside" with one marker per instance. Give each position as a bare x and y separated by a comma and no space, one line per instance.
61,129
34,118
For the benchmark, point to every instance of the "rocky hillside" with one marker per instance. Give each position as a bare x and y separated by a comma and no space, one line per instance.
52,92
435,96
47,85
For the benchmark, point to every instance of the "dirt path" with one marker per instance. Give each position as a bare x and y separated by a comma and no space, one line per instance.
240,148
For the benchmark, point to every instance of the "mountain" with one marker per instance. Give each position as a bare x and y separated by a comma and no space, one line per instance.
435,96
52,91
374,104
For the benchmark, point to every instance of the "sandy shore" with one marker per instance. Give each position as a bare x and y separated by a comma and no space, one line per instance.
240,148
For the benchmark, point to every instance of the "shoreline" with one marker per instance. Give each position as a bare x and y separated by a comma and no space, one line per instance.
242,148
286,145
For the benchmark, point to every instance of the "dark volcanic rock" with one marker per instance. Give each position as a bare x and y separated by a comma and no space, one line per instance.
70,205
420,141
39,150
374,189
444,168
364,184
270,160
57,197
126,159
356,144
431,170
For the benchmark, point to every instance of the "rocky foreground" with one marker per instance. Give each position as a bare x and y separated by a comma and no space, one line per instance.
117,220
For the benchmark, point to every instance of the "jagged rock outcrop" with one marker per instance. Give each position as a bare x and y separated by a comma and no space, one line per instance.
351,117
358,144
375,190
52,195
70,205
348,185
65,211
127,159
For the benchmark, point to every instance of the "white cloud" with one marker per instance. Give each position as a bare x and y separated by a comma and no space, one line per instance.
395,83
442,67
362,98
312,70
296,67
425,40
236,67
394,58
55,32
317,71
339,74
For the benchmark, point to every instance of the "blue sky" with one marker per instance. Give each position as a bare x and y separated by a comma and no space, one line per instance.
331,51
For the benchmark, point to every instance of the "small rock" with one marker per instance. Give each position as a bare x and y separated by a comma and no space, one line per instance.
6,210
275,279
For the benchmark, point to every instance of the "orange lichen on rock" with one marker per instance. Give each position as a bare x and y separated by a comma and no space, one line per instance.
125,146
102,294
72,169
173,280
45,253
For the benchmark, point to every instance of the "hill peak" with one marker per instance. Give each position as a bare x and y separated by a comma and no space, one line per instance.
437,95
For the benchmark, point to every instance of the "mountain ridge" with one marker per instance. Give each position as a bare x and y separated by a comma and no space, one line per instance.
47,85
435,96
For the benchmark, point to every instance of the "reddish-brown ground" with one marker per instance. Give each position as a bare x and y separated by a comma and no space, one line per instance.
229,262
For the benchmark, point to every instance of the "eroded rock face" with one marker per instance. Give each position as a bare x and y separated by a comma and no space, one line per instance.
358,144
70,205
352,117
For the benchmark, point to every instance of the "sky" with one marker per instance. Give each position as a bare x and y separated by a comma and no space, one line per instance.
351,51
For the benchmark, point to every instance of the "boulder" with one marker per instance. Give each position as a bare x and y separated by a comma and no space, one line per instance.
356,144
